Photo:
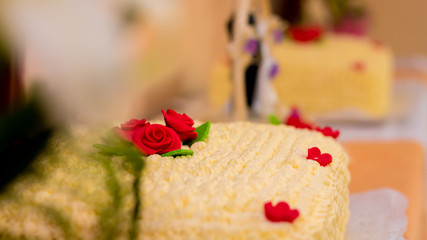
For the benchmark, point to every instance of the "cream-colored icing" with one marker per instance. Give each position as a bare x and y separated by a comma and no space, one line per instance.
218,193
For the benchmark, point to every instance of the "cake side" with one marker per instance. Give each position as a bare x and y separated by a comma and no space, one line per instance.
220,191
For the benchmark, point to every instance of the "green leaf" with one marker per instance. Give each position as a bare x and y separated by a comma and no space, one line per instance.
109,150
109,216
179,152
202,133
274,119
59,219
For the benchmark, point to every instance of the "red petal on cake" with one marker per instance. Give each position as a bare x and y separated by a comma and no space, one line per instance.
336,134
306,33
315,154
292,215
377,44
280,213
358,66
325,159
328,132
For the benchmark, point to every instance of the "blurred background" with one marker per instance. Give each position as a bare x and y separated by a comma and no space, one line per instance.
83,50
105,61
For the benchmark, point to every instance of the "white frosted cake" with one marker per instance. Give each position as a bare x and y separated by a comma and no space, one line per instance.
246,181
336,74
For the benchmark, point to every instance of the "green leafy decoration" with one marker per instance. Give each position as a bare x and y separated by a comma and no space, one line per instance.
109,220
115,146
138,205
48,211
138,164
202,133
9,236
179,152
274,119
59,219
109,150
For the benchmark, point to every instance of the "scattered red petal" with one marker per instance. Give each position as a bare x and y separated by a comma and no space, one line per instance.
377,44
325,159
358,66
315,154
306,33
280,213
328,132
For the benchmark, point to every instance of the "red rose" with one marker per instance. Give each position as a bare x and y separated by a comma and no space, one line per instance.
306,33
181,123
156,139
127,129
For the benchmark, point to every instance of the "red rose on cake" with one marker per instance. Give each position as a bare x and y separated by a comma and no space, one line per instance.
295,120
306,33
127,129
181,123
156,139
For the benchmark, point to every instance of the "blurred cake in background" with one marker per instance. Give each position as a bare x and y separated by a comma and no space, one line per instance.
329,71
332,74
326,75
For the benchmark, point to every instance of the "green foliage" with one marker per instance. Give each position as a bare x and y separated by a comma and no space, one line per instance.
59,219
108,150
274,119
115,146
109,217
202,133
179,152
49,212
340,9
8,236
337,8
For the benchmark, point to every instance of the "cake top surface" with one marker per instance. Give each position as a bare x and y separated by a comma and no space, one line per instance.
240,168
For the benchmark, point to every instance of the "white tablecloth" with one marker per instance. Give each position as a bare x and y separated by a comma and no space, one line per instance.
377,214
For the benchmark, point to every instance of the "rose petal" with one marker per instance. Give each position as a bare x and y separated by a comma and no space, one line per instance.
313,153
126,135
328,132
132,124
181,124
325,159
146,141
280,213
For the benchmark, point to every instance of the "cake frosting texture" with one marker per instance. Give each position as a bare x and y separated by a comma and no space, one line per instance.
218,193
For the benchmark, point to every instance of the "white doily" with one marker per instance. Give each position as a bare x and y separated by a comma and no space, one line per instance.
377,214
